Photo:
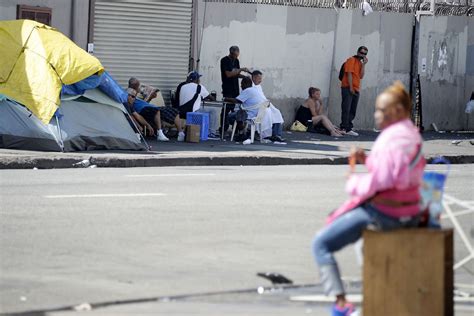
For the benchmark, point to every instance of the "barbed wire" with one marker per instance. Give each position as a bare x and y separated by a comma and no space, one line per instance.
444,7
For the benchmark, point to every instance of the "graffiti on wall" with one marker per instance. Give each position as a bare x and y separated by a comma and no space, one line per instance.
442,60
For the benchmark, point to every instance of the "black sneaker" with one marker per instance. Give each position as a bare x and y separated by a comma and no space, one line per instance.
277,139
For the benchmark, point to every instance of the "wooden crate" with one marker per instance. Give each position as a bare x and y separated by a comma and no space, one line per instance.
408,272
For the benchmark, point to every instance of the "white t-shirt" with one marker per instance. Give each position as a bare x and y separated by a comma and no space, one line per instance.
187,93
251,97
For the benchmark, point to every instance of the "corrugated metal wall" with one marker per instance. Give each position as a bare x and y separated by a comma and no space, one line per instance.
150,40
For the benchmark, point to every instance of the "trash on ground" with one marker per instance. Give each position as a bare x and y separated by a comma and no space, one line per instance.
83,164
35,168
246,142
83,307
280,143
92,166
275,278
456,142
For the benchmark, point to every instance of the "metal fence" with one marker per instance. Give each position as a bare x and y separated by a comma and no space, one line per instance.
444,7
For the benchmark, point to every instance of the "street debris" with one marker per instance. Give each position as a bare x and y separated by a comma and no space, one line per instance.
83,164
83,307
456,142
275,278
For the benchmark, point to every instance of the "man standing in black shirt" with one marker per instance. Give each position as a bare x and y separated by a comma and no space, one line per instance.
230,74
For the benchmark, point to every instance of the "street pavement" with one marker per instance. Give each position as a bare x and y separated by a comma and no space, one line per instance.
108,235
300,148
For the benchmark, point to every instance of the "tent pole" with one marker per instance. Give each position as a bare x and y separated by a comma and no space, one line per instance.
60,133
148,148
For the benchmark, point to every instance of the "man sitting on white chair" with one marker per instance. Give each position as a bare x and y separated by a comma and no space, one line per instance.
275,115
250,98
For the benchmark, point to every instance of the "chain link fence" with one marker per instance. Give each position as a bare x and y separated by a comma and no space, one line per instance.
445,7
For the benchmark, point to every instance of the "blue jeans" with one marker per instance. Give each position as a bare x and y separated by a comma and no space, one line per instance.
277,129
346,230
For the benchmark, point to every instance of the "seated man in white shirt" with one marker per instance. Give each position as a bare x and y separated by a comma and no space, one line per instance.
191,95
249,98
275,117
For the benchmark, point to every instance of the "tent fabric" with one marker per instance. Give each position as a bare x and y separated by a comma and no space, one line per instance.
89,122
105,83
20,129
36,61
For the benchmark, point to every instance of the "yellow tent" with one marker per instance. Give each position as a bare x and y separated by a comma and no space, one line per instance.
36,60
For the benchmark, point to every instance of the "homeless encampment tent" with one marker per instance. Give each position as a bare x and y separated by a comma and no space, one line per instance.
38,63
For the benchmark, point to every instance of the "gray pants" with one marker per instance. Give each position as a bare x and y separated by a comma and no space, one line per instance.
348,108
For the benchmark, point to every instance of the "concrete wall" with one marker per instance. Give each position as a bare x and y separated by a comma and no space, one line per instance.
447,49
301,47
388,37
292,46
71,17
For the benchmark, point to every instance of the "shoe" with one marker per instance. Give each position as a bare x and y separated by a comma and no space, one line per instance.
347,310
277,139
181,137
161,137
265,141
213,136
352,133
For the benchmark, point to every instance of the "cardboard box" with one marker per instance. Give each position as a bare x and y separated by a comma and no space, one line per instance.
408,272
193,133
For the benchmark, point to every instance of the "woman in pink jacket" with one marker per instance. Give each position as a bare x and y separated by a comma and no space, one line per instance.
386,197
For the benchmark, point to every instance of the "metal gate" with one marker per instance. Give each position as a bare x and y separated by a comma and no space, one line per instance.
150,40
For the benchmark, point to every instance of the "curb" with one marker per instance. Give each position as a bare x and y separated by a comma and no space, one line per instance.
114,162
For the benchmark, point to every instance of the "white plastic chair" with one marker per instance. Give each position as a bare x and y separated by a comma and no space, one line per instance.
255,123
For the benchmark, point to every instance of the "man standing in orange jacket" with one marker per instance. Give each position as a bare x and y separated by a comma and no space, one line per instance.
354,69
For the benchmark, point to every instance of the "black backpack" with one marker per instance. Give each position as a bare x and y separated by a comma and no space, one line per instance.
341,71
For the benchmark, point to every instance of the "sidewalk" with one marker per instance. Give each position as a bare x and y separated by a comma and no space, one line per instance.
301,148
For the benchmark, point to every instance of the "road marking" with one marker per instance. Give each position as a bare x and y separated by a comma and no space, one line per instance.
172,175
72,196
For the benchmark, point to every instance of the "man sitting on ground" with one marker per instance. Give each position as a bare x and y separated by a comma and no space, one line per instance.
144,110
139,121
250,97
168,114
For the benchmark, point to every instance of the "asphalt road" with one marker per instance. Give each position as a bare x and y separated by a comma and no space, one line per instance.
97,235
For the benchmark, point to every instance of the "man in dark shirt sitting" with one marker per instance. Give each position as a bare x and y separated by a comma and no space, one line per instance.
230,74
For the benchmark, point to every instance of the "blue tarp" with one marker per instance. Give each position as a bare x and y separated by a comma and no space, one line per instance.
104,83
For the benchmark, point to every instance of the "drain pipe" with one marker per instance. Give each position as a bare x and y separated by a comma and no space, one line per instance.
415,88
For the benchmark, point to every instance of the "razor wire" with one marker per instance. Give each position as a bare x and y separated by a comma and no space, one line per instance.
444,7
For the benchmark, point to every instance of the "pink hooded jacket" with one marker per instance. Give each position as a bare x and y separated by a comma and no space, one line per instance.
390,175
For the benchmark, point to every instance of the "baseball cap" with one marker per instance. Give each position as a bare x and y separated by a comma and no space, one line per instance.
194,75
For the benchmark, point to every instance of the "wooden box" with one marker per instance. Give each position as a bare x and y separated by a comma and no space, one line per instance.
408,272
193,133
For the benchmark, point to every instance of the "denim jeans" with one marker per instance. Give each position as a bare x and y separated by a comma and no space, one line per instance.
343,231
277,129
348,108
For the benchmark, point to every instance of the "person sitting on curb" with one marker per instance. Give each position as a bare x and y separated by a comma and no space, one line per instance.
143,116
147,111
387,197
249,98
168,114
312,111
